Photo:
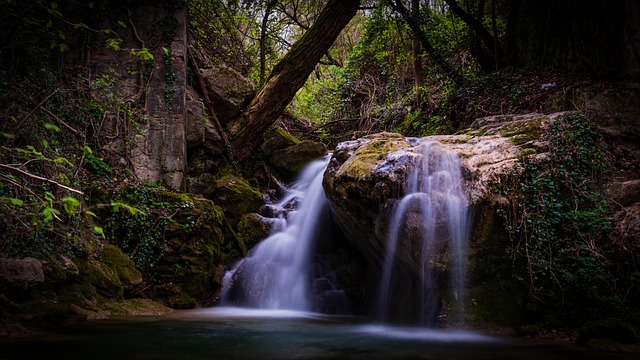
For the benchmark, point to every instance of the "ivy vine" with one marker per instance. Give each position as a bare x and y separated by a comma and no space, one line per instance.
557,221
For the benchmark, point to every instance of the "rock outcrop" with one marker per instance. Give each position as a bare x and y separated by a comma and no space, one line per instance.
366,176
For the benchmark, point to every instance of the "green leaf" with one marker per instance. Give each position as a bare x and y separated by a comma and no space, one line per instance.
70,204
61,160
132,210
87,150
50,126
12,201
49,197
143,54
49,212
91,213
7,136
114,44
34,151
98,230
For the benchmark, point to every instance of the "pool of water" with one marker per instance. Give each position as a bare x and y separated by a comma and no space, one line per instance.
227,333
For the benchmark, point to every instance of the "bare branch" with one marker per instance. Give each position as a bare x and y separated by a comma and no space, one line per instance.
37,107
60,121
40,178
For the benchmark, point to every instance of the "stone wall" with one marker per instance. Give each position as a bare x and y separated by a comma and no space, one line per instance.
144,101
160,154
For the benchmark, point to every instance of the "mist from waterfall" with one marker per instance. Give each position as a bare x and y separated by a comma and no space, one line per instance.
276,274
435,204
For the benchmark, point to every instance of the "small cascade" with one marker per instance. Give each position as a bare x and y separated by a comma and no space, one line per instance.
431,221
279,272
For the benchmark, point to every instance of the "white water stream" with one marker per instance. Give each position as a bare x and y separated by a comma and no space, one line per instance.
435,194
276,273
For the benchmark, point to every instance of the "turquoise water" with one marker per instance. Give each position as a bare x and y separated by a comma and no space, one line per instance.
225,333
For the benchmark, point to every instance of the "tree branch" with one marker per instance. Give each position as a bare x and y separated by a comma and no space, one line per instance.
37,107
60,121
40,178
397,6
207,100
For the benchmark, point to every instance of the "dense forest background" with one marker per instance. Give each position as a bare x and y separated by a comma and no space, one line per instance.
323,70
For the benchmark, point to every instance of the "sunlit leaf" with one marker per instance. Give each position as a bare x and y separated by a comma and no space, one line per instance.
49,212
53,127
70,204
12,201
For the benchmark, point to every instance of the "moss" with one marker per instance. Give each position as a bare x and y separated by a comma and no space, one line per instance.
276,139
136,307
251,229
236,196
532,127
367,156
114,258
493,298
525,153
103,278
293,158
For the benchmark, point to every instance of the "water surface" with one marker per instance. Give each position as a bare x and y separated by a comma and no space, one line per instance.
231,333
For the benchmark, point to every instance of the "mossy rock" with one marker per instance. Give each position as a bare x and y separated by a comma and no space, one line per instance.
135,307
125,268
252,228
173,296
235,195
276,138
104,278
196,244
617,330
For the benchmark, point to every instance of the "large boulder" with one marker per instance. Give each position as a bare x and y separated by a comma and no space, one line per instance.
367,178
234,194
287,154
21,272
229,91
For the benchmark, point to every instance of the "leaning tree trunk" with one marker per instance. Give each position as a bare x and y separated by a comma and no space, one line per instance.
288,76
417,56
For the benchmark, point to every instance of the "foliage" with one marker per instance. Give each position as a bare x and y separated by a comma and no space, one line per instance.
557,221
137,217
42,162
376,86
222,29
51,119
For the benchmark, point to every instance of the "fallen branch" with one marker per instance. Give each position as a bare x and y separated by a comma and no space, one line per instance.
60,121
207,100
40,178
37,107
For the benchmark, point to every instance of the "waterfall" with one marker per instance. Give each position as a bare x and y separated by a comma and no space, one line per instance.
276,274
432,221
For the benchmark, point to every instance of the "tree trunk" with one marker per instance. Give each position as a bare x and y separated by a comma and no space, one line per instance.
263,40
288,76
476,26
397,6
511,36
417,58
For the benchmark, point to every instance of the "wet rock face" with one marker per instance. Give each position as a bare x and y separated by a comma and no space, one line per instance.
368,176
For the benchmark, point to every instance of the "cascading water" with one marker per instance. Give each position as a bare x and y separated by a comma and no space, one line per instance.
276,274
435,208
